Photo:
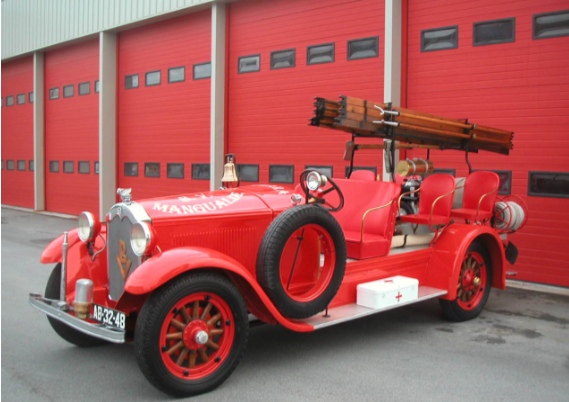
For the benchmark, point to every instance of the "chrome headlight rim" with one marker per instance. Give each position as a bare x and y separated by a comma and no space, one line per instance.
315,181
138,229
93,227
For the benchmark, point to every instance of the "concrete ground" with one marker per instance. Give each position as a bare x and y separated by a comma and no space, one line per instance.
517,350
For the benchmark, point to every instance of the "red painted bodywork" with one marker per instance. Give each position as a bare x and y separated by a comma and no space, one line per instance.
222,230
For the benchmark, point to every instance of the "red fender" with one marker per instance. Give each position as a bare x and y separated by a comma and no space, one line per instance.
445,265
52,253
165,266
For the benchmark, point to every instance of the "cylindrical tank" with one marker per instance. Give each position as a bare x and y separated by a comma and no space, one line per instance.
416,166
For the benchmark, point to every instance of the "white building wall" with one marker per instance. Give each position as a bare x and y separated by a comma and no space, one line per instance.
29,25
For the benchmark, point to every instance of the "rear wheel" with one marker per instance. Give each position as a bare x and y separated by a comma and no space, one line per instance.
52,291
473,286
191,334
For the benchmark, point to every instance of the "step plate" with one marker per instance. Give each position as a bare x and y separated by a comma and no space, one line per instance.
349,312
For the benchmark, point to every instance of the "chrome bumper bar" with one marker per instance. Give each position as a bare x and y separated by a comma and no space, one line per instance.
51,308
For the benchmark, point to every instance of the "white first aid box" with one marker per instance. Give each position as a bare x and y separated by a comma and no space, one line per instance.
387,292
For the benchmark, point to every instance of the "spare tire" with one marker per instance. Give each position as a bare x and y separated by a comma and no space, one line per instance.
302,260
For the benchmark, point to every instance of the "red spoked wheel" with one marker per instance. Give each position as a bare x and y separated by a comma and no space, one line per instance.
197,336
472,282
307,263
191,334
473,287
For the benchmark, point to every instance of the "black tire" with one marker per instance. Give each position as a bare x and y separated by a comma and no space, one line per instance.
157,315
271,250
52,291
455,310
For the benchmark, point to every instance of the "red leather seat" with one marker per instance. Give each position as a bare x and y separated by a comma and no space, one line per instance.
435,201
479,196
374,239
363,175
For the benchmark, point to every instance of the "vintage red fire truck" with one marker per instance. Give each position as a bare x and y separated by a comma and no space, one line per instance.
182,276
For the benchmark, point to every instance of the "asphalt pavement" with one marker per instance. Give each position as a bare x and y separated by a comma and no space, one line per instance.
517,350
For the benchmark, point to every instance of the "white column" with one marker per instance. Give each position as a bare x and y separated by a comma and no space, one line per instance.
392,77
39,133
217,130
107,121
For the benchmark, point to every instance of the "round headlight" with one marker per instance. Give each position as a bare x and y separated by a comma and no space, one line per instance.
315,180
88,227
142,238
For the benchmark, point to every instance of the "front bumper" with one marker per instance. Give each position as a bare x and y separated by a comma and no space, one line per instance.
51,308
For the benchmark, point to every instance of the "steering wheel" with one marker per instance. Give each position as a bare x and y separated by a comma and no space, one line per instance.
317,196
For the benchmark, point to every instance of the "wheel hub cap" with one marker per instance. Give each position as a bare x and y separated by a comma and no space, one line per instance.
196,334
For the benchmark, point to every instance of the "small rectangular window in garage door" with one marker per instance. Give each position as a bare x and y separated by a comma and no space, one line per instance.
54,93
31,97
549,184
131,81
363,48
494,32
10,165
131,169
439,39
319,54
551,25
21,165
200,171
176,74
31,166
249,64
153,78
84,88
21,99
54,166
68,167
84,167
175,170
248,172
152,169
202,70
68,91
327,170
10,100
281,173
283,59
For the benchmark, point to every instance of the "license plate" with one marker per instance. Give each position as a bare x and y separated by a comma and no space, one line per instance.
109,316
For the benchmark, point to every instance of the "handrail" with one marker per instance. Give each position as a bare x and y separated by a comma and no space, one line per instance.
482,198
365,215
435,203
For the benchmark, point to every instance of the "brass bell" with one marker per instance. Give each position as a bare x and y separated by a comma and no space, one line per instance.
230,177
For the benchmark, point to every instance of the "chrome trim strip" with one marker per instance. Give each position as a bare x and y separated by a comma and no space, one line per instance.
353,311
49,307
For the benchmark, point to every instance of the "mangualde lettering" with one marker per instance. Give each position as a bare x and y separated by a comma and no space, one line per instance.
198,208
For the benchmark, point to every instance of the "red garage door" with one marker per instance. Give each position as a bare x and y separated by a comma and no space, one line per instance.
497,74
18,133
164,106
281,55
72,129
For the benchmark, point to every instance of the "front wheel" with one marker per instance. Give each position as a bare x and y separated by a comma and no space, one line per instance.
191,334
473,286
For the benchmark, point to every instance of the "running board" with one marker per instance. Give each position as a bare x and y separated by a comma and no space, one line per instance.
349,312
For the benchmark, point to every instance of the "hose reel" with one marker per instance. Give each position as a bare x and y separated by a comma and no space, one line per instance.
510,215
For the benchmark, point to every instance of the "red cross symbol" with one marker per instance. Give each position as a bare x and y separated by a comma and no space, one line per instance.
399,296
